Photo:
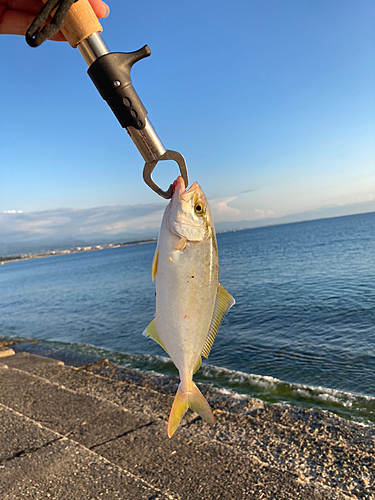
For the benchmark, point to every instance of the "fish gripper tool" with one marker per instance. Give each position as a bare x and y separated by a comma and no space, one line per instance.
110,73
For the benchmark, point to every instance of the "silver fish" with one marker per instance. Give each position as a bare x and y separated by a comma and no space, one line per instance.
190,302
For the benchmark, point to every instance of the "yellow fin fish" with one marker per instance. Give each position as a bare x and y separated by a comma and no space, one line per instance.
190,302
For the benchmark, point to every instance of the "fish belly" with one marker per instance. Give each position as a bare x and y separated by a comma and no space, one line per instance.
186,287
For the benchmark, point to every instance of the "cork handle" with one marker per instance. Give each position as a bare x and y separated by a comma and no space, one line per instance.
80,23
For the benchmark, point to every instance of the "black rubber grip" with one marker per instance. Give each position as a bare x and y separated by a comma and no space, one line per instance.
111,76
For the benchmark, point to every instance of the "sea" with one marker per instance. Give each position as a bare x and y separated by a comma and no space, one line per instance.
302,331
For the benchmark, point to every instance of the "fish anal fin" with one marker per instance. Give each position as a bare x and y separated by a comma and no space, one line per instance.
197,365
224,301
155,263
152,332
182,401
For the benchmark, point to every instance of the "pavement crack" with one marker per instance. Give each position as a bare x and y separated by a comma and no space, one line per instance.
126,433
27,451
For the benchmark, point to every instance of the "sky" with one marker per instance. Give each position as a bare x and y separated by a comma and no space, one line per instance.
271,103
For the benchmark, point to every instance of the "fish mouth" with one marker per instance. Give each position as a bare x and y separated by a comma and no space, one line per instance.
178,186
180,192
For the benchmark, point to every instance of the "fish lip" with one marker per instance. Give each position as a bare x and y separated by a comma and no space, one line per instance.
178,187
179,191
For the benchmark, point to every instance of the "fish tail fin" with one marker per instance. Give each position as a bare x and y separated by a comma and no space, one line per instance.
185,399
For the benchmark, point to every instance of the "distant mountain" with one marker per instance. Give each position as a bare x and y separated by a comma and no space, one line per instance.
65,229
324,213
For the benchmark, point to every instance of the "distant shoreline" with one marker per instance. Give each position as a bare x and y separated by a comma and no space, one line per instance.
78,249
53,253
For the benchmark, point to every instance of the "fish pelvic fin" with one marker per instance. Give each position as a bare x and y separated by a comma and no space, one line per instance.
193,399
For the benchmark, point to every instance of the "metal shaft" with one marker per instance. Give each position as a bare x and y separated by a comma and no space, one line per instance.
146,140
93,47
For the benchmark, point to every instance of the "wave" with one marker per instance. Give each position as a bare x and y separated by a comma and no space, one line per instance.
356,407
349,405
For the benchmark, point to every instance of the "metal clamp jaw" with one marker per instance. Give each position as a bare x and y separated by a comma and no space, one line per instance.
110,73
149,167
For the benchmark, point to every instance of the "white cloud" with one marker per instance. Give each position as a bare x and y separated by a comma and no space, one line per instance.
109,220
262,214
221,208
55,228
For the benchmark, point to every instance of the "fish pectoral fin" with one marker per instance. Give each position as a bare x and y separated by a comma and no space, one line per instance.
155,263
181,244
151,332
182,401
224,301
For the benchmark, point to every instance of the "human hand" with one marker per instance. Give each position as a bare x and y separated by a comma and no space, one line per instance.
17,15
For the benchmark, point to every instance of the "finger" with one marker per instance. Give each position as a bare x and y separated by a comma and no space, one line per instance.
100,8
27,6
15,23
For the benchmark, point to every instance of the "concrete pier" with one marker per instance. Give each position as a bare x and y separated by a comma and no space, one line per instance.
100,431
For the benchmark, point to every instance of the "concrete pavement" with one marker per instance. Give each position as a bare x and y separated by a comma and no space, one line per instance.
99,431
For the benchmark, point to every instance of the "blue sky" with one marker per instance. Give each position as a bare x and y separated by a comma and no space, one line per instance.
271,103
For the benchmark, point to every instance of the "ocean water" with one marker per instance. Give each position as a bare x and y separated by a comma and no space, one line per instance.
302,331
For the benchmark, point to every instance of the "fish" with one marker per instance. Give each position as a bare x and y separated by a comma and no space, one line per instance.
190,301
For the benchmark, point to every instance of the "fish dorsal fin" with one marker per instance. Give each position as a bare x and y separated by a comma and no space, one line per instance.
224,301
155,263
151,332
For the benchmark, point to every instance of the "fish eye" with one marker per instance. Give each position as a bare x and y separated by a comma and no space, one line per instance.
199,209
